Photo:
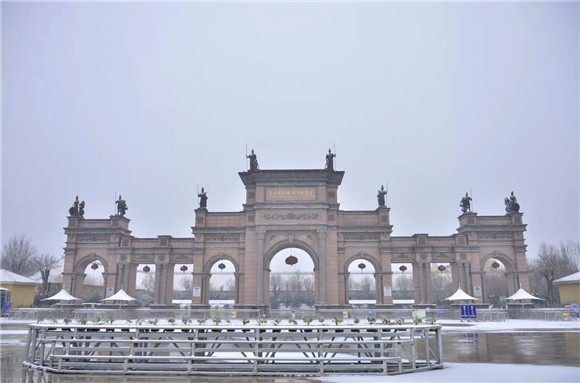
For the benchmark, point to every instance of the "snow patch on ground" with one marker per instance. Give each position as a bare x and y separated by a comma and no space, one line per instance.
473,372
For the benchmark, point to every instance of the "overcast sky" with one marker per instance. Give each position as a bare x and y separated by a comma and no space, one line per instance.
151,100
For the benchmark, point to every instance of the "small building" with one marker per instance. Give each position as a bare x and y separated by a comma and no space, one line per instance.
22,289
569,287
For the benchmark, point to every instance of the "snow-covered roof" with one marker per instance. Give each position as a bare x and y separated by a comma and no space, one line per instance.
569,278
10,277
522,294
460,295
121,295
62,295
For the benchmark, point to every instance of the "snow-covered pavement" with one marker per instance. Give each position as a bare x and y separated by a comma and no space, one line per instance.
473,372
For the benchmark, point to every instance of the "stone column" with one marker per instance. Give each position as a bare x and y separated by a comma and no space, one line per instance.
237,287
428,284
205,288
387,280
260,267
322,264
156,288
417,287
379,287
132,282
454,276
345,287
169,275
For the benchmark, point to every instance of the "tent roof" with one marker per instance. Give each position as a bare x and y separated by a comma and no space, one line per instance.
460,295
121,295
522,294
4,289
10,277
569,278
62,295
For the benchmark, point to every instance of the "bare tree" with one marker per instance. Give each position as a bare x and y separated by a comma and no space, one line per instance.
45,263
148,283
18,256
442,287
553,263
186,283
230,284
403,287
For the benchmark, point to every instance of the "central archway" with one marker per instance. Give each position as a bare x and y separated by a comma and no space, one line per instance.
291,277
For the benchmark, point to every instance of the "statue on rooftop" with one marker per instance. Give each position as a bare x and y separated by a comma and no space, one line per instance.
74,210
202,199
82,209
465,203
253,161
381,196
330,160
511,204
121,206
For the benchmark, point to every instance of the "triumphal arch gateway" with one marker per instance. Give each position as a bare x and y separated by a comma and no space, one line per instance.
298,209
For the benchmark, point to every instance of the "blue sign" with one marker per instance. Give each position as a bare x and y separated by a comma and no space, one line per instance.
6,309
468,311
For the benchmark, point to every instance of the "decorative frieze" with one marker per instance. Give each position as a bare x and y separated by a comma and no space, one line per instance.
93,238
440,257
222,237
493,235
292,217
361,236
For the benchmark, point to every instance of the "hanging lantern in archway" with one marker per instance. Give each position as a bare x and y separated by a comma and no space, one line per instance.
441,268
94,266
291,260
495,265
146,269
183,268
361,266
403,268
221,266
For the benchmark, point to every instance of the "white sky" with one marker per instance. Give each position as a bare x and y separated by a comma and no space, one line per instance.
150,100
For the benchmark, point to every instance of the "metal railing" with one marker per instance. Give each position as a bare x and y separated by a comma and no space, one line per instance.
233,349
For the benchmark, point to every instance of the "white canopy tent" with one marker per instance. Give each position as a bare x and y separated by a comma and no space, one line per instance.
120,296
461,295
62,295
522,294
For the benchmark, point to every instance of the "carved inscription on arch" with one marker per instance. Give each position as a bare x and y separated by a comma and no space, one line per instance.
361,236
292,217
222,237
93,238
493,235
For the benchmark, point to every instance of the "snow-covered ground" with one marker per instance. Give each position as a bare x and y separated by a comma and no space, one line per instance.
473,372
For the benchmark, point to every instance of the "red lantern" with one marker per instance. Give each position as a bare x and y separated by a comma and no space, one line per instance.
221,266
361,266
94,266
403,268
441,268
183,268
495,265
146,269
291,260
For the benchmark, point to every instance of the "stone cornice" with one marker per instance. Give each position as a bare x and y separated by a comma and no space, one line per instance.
292,177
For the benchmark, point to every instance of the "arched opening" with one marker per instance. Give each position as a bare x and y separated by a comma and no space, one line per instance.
441,283
145,283
361,287
93,282
495,281
222,284
403,288
292,282
182,283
